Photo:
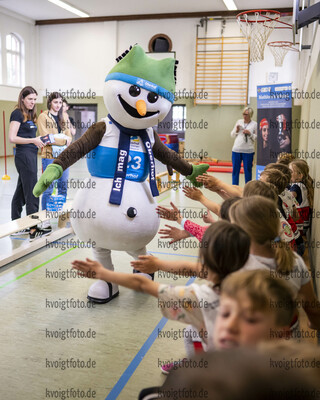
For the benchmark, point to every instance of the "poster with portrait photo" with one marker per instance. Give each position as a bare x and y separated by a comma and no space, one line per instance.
274,134
274,120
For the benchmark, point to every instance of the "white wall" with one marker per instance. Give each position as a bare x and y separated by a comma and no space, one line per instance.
182,33
87,51
76,56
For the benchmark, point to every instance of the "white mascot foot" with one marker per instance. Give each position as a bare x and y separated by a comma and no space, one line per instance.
102,292
149,276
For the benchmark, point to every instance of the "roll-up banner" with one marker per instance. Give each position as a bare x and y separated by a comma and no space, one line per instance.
274,104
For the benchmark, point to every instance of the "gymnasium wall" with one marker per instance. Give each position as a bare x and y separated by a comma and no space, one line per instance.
310,141
78,56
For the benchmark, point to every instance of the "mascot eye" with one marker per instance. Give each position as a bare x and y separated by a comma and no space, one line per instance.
131,212
152,97
134,91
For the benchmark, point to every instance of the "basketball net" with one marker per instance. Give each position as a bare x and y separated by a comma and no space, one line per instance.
280,50
257,25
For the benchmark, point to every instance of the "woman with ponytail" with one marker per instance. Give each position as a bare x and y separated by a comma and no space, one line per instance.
258,216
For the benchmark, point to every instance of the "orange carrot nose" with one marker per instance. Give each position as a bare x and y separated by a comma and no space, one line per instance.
141,107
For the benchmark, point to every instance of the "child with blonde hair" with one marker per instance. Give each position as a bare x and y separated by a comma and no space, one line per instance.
258,216
254,307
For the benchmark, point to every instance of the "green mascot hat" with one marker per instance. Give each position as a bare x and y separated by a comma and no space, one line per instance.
136,68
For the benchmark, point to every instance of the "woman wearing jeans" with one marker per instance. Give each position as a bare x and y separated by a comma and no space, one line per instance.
22,132
51,122
245,133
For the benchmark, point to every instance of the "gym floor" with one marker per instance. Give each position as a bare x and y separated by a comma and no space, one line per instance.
126,340
125,353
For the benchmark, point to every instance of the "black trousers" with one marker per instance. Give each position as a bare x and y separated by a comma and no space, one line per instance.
26,164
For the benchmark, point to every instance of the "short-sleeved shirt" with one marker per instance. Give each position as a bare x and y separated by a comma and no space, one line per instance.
298,277
27,130
194,304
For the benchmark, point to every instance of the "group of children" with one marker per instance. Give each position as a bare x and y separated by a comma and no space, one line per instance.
249,258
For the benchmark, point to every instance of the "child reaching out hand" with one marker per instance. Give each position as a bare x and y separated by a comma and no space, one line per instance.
190,228
225,249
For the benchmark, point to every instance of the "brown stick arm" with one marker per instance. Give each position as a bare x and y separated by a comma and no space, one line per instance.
88,141
170,157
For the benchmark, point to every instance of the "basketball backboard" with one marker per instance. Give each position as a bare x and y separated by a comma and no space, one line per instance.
304,13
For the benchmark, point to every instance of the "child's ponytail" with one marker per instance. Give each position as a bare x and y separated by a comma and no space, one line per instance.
283,256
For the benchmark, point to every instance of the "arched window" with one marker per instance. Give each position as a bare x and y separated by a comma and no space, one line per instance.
15,60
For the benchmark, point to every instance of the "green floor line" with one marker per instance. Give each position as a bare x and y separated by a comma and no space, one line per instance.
47,262
164,198
35,268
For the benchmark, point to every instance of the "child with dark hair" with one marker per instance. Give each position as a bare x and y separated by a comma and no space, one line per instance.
225,249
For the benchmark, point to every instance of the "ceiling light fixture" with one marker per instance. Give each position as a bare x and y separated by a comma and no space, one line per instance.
70,8
230,5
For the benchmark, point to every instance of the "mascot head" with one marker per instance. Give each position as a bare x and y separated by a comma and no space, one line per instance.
139,90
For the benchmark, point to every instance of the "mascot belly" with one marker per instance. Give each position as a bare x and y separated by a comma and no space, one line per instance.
133,223
130,226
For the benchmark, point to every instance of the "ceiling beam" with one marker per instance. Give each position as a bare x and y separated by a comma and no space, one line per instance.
198,14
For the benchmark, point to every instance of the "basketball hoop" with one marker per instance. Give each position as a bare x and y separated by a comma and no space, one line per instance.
280,49
257,25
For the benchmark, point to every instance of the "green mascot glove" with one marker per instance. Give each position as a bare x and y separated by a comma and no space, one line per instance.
196,171
51,173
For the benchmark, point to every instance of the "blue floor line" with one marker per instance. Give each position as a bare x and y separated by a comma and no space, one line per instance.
127,374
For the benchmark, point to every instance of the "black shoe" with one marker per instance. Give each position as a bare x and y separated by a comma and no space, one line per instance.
47,230
37,233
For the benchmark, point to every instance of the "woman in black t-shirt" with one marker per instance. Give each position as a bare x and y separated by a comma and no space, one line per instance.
22,132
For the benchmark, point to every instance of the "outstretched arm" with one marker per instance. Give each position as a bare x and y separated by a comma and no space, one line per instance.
216,185
93,269
150,264
196,194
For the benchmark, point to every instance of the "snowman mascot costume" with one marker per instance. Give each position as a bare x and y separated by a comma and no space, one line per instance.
138,93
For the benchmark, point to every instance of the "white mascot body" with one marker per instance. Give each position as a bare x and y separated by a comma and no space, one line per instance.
131,225
138,93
